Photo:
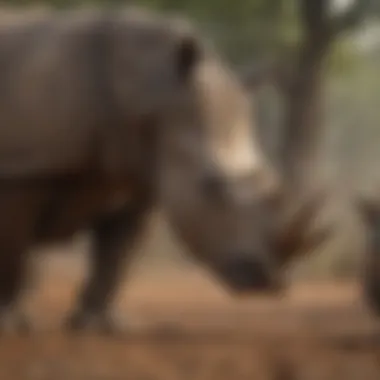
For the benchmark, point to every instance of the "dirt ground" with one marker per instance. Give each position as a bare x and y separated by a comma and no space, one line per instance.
184,326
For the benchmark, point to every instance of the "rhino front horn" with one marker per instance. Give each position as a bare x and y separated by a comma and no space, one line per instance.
296,237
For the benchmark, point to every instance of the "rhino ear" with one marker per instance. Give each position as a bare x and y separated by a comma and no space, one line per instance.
188,54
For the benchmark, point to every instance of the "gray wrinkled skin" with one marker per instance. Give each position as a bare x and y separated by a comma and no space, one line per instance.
104,114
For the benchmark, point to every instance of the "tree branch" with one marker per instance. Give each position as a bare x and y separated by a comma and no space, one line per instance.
313,15
350,18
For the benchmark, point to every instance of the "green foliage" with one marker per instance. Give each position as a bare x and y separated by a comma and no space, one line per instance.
244,29
343,59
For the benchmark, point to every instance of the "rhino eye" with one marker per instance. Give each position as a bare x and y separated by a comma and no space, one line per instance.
188,54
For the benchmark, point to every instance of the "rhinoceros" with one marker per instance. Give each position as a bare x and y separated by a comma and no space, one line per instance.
105,114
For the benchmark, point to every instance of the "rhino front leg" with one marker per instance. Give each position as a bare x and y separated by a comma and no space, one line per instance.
114,241
20,202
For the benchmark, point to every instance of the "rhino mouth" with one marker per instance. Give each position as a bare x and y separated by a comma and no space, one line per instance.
248,277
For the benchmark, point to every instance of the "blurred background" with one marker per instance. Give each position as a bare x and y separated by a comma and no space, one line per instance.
285,45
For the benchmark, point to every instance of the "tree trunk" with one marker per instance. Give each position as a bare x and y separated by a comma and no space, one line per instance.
303,125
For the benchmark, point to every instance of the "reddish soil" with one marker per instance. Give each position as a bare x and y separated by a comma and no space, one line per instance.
189,328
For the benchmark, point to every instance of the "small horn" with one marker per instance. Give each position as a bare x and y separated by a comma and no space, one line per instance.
294,238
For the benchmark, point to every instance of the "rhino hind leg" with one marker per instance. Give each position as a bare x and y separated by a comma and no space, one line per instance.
372,292
13,268
114,241
372,282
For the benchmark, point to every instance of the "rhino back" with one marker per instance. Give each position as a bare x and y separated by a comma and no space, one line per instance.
79,84
50,98
77,89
